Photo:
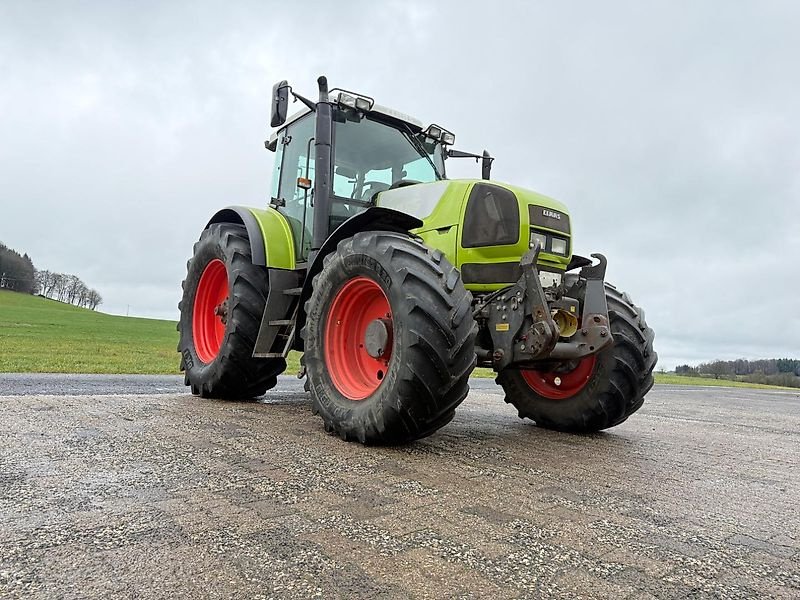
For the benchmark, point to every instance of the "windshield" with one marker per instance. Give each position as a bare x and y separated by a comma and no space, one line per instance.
370,156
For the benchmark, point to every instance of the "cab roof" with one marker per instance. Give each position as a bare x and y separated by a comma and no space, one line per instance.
378,110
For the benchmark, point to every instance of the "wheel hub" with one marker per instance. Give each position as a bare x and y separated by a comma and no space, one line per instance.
378,337
221,310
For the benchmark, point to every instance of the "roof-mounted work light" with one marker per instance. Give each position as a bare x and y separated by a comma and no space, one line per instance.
355,101
440,134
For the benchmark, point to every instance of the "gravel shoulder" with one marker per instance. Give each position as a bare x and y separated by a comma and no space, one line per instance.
162,494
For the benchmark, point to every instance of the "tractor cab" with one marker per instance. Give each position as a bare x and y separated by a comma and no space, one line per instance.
372,149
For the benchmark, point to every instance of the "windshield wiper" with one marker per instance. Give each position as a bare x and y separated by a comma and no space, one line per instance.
420,148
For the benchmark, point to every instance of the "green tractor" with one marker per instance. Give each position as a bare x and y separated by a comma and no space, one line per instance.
395,283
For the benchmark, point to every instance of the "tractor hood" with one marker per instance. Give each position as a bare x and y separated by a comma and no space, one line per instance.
485,227
439,203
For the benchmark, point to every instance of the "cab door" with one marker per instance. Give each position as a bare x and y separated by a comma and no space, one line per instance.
296,162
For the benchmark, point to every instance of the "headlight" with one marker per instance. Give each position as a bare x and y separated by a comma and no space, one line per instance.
558,246
539,237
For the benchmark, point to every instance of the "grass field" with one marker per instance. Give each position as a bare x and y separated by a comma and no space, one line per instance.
672,379
38,335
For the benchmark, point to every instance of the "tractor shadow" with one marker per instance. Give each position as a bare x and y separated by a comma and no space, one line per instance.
479,428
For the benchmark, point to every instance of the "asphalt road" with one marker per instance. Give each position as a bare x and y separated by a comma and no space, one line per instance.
58,384
161,494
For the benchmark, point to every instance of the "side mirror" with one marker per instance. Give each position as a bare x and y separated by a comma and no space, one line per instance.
280,103
486,165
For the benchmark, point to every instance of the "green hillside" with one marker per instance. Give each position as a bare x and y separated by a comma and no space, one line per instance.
38,335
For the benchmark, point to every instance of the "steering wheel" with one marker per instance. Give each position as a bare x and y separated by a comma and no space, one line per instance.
403,183
374,187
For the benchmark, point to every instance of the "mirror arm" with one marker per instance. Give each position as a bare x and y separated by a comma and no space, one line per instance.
485,159
452,153
310,104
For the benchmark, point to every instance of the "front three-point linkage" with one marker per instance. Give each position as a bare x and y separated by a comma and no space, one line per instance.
521,324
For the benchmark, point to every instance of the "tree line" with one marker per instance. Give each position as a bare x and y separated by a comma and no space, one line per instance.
67,288
17,273
774,371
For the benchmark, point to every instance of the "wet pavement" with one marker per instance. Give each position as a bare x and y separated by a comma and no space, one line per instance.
156,495
60,384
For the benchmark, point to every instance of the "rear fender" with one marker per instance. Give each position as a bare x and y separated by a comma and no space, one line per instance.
271,240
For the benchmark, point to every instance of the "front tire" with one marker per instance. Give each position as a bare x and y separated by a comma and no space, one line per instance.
224,295
597,392
389,339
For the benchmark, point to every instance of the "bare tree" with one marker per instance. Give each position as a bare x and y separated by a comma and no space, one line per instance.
94,299
59,287
81,296
717,368
44,282
73,288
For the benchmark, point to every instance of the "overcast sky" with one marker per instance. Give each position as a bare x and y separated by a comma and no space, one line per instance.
670,129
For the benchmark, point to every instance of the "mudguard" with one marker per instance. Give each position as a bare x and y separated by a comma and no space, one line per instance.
271,240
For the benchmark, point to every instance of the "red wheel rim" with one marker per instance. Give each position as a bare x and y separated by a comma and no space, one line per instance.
558,386
210,313
353,371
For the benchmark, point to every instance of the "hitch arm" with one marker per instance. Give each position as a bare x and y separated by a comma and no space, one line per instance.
595,332
542,336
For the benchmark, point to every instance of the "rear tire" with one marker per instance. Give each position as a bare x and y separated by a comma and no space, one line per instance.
607,389
217,356
423,370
